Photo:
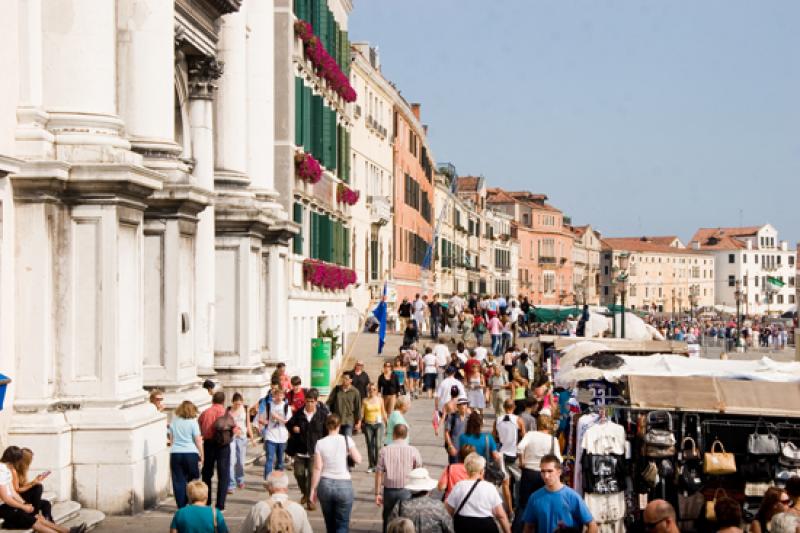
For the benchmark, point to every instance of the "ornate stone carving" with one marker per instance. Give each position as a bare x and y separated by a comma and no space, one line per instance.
203,73
227,6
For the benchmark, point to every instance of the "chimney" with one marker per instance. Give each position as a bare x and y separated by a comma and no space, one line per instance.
425,129
415,108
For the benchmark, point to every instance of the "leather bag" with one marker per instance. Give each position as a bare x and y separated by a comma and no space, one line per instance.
689,453
718,462
492,472
659,443
711,514
763,443
790,455
757,470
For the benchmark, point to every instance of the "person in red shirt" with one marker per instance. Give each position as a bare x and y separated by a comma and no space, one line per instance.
296,396
213,453
471,363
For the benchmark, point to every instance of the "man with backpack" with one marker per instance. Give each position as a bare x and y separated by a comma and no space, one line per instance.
276,514
305,428
273,428
217,427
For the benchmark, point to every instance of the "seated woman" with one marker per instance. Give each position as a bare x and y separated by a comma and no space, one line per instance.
15,512
31,491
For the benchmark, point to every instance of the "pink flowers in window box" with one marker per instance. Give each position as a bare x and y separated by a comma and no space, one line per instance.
307,168
346,195
327,276
324,63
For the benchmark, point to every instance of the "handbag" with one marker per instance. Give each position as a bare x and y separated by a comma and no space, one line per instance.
763,443
659,442
756,490
691,453
689,478
350,462
790,455
711,515
690,507
758,470
493,473
718,462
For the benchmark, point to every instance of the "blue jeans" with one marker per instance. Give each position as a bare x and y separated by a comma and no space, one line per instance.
238,456
392,497
274,449
184,467
496,345
346,429
373,434
336,500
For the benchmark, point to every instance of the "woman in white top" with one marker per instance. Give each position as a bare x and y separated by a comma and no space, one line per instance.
530,450
474,504
330,482
14,511
238,411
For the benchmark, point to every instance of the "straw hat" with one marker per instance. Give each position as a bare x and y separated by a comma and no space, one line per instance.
420,481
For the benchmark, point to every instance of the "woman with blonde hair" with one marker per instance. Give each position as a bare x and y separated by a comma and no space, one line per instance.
186,452
474,503
198,516
31,491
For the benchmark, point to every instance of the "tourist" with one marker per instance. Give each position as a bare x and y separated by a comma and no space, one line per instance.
305,428
296,395
443,390
775,501
475,384
425,513
508,428
157,399
273,428
239,443
373,418
395,462
472,328
216,446
209,386
519,388
474,504
454,472
729,515
419,306
186,450
435,312
397,417
283,379
495,327
345,401
430,369
499,387
506,335
528,417
15,512
276,513
331,483
399,370
455,365
786,522
360,378
404,312
659,517
31,491
455,423
410,334
389,387
484,442
555,505
413,360
442,353
198,516
531,450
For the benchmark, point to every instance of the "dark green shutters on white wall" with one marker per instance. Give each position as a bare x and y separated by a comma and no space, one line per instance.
297,216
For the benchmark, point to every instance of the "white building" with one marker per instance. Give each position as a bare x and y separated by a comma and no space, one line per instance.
455,264
371,172
586,260
751,255
501,256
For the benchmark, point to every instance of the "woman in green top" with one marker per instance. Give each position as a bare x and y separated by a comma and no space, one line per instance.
519,384
400,408
198,517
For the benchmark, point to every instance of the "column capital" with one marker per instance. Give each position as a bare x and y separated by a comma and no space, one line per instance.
203,73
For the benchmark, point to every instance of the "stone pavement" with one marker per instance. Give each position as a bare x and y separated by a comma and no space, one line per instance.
366,516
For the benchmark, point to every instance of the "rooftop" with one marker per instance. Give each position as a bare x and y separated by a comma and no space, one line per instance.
645,244
724,238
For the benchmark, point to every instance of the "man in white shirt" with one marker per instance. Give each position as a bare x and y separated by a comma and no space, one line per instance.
442,353
480,353
430,371
277,485
419,311
443,391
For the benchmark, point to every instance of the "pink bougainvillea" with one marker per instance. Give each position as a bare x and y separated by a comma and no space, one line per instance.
323,62
307,168
346,195
327,276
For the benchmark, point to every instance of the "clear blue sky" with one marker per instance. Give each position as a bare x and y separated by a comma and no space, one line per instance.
638,116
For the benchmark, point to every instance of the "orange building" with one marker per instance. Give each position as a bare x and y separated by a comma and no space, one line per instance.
545,246
413,202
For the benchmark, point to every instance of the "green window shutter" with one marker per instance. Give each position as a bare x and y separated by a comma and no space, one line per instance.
347,246
297,216
316,15
347,156
329,138
298,111
307,124
316,126
325,238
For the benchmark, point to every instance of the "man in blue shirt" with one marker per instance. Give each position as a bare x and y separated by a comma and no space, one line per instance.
556,507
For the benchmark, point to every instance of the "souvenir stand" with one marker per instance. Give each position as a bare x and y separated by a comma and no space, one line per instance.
679,429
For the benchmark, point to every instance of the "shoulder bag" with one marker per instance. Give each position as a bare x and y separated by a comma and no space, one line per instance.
719,462
711,515
350,462
493,473
790,455
659,442
464,501
763,443
689,453
446,481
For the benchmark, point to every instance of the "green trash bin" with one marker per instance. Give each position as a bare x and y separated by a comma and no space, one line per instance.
321,365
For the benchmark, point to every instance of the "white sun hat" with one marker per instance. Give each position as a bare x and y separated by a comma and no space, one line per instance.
420,481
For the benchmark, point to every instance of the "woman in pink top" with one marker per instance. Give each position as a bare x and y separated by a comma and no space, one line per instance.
496,329
455,472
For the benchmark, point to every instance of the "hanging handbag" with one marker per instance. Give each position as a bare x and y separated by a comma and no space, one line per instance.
689,453
763,443
790,455
718,462
690,507
659,442
493,473
756,470
711,514
756,490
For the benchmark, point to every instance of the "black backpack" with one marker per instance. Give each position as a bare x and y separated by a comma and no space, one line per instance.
223,429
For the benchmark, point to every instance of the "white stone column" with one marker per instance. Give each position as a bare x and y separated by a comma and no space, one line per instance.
146,70
231,102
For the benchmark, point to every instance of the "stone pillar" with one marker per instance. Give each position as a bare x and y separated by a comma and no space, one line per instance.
284,101
203,73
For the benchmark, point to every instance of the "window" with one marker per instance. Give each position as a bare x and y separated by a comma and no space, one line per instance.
791,259
791,281
731,258
731,281
633,290
755,278
605,290
780,298
744,258
791,298
297,216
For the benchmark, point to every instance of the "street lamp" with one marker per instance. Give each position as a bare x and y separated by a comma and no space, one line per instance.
622,279
673,305
738,294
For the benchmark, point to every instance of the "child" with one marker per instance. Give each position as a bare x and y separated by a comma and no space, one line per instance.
296,395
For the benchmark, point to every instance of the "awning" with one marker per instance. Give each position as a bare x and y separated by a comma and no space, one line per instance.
713,395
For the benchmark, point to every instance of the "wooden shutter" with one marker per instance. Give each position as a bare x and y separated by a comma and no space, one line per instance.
317,114
307,120
298,111
297,216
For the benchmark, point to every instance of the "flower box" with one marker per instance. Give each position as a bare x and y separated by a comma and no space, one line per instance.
327,276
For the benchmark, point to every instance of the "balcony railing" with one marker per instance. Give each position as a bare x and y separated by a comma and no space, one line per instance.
380,210
546,260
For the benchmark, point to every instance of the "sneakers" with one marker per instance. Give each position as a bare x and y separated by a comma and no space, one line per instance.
371,470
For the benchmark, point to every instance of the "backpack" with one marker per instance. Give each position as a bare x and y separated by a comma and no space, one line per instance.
223,429
278,521
285,410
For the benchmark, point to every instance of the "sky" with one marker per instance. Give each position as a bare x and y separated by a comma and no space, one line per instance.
639,117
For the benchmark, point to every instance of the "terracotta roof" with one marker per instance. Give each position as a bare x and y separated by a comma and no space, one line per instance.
468,183
499,196
724,238
664,239
528,196
644,244
578,230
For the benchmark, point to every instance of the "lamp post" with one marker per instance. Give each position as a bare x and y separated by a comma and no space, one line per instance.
738,294
622,279
673,305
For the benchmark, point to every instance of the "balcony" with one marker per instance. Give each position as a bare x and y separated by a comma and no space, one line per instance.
546,260
380,210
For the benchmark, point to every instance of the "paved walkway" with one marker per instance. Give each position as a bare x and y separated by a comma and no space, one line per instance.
366,515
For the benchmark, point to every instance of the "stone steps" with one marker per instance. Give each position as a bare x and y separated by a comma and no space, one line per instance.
70,514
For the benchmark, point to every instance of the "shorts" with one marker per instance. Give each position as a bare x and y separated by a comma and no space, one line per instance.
413,374
14,518
429,382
